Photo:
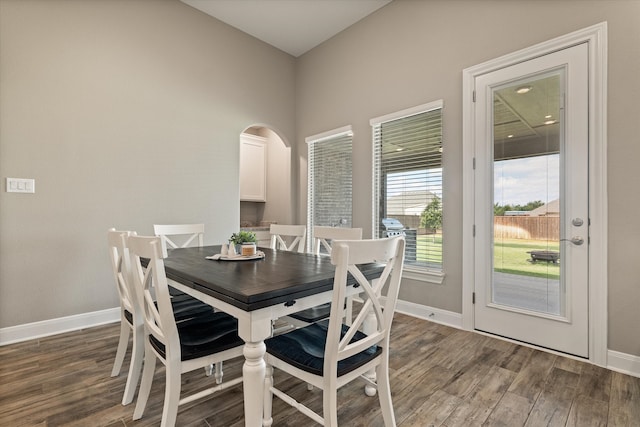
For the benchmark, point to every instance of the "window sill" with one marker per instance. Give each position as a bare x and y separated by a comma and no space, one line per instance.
421,275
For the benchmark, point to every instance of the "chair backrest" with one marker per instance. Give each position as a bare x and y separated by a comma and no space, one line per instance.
323,235
347,255
168,231
120,265
279,232
153,291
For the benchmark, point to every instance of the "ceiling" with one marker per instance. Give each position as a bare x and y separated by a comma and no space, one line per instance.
294,26
297,26
527,116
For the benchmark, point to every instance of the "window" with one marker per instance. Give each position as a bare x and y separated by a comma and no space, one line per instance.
407,185
330,180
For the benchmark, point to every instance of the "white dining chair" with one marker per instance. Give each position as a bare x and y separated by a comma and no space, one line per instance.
322,238
130,316
179,236
288,237
184,307
183,346
183,236
330,354
169,234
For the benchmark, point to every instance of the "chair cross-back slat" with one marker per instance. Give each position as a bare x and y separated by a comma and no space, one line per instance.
119,256
152,287
373,292
166,232
296,232
323,235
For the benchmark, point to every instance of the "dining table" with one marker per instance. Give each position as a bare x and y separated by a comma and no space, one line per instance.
256,291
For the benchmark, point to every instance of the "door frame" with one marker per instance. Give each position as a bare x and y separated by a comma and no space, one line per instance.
596,39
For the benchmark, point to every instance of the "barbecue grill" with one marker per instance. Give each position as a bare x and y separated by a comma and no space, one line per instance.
392,227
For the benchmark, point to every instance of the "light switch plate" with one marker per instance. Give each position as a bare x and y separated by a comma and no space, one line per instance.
21,185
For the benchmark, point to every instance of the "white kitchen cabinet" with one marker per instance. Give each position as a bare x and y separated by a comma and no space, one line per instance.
253,168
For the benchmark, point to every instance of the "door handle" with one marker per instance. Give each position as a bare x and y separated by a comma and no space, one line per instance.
576,240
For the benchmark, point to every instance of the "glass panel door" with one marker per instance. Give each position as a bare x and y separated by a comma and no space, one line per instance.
531,204
528,152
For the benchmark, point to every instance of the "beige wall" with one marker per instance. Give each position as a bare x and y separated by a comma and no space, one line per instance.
103,101
412,52
126,113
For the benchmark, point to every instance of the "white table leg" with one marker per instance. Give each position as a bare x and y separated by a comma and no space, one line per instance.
253,373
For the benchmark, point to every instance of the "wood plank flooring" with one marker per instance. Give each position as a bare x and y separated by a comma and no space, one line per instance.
441,376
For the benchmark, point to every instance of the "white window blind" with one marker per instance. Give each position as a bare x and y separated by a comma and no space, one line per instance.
407,181
329,180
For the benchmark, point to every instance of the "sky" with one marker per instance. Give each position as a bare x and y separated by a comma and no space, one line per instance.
516,181
519,181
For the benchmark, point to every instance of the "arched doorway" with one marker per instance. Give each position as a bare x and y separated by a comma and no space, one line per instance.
265,196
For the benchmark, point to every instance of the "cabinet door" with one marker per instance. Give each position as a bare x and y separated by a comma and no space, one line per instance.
253,168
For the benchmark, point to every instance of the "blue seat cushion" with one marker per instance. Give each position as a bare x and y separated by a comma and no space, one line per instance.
304,349
204,335
174,292
313,314
186,307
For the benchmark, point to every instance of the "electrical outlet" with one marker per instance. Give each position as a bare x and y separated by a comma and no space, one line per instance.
21,185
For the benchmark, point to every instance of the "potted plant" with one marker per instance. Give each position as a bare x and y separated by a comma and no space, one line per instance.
246,238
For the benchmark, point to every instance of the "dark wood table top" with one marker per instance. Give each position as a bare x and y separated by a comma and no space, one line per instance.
253,284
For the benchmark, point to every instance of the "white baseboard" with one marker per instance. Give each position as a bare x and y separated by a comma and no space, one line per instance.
60,325
448,318
45,328
616,361
624,363
620,362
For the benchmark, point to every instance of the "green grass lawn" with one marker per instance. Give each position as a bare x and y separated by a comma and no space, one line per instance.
429,248
510,255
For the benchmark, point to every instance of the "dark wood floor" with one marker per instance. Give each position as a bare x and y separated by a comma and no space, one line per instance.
440,377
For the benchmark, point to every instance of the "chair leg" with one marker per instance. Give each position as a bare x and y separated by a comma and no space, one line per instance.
267,420
330,406
384,394
147,380
219,373
123,343
135,367
171,395
216,370
208,370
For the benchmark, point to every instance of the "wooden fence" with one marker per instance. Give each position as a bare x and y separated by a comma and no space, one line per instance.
506,227
527,227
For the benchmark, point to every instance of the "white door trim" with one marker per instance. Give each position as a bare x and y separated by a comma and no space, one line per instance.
596,37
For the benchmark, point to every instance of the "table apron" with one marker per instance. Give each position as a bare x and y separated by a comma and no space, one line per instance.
254,326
